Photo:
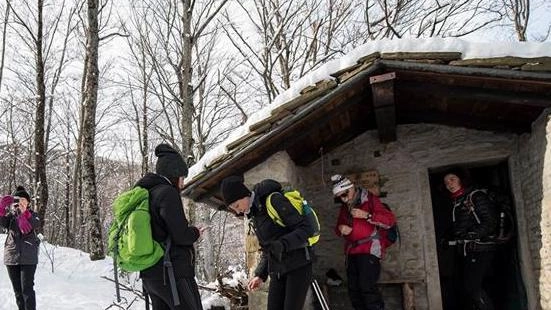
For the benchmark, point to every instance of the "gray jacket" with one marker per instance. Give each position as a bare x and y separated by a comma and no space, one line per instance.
20,249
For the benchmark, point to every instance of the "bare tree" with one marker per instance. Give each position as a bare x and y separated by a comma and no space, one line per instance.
88,129
4,38
518,11
289,39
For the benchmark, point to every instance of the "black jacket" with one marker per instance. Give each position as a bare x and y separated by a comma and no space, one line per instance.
293,237
20,249
169,221
466,225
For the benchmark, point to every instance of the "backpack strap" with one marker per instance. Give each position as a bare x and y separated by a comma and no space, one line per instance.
370,206
167,263
471,206
272,212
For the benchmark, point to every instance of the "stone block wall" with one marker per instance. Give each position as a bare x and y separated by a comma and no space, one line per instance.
532,167
404,164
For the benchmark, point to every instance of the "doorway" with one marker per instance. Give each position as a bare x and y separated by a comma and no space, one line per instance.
503,282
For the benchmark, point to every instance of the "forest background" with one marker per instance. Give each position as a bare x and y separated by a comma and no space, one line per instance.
89,87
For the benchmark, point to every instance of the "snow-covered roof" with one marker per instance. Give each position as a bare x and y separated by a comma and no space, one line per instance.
531,56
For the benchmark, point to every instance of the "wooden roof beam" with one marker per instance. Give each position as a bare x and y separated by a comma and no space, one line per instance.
382,87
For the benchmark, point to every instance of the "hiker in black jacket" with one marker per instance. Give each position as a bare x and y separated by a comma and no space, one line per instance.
169,224
474,222
286,256
21,246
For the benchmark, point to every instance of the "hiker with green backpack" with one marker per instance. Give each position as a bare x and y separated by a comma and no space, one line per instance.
150,234
286,229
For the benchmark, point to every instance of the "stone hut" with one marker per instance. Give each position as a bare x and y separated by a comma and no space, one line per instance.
393,121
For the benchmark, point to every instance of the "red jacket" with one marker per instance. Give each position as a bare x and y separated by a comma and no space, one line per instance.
362,228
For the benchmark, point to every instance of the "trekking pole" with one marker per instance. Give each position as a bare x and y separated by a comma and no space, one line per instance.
319,295
116,275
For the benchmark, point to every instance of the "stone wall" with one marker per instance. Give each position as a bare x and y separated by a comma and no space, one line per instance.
404,166
533,195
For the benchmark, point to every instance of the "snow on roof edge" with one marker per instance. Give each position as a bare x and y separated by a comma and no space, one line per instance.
469,50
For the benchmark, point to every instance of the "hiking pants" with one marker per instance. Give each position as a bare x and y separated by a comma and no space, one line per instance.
22,280
474,268
288,291
161,294
363,272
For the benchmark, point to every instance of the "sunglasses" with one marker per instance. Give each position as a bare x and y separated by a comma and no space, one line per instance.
344,195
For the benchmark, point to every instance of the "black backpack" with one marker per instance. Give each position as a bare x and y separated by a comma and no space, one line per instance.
504,206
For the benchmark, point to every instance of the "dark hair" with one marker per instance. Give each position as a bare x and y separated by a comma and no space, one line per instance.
461,172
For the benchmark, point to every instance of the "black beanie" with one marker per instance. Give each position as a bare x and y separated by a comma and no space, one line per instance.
21,192
169,163
233,189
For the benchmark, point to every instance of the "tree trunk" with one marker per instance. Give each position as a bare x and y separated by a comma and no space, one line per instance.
39,144
186,95
89,189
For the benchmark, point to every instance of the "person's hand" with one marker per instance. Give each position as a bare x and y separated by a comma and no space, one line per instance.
254,283
23,222
276,249
5,204
359,214
345,230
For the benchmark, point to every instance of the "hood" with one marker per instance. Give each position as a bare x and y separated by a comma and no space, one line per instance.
266,187
151,180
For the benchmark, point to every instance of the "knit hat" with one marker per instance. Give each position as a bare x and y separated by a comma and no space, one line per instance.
169,163
340,184
21,192
233,189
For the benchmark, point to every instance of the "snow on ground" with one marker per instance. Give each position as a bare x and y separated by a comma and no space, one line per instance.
470,49
76,283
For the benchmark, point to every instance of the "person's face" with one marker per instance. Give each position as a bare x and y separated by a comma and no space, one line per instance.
23,204
452,182
240,206
346,196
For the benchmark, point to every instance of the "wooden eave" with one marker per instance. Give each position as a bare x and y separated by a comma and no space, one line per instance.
316,123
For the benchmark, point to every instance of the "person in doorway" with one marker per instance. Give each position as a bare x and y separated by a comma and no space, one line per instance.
171,228
360,217
286,256
474,223
22,245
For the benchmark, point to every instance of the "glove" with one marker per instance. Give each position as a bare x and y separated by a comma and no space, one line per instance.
23,222
5,204
276,249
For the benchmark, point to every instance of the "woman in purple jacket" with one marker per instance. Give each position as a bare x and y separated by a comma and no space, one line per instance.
21,246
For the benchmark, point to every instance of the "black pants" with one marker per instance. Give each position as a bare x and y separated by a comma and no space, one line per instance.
161,294
474,267
22,280
363,271
288,291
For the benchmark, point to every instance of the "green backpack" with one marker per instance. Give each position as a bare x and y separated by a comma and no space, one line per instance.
130,241
303,209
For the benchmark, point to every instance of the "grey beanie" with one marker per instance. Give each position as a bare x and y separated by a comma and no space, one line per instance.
169,162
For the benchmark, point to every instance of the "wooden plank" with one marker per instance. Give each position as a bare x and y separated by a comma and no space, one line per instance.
408,296
444,56
385,110
355,68
265,122
322,88
542,67
508,61
348,75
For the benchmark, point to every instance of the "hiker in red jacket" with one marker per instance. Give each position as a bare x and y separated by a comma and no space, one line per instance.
360,216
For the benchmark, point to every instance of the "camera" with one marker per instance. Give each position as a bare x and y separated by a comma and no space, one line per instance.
14,207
